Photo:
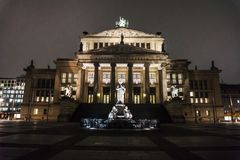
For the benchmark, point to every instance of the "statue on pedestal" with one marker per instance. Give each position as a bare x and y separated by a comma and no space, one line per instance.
120,93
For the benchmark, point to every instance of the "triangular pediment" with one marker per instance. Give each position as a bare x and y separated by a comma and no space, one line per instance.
127,32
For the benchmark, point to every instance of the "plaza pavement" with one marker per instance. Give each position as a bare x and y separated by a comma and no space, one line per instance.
67,141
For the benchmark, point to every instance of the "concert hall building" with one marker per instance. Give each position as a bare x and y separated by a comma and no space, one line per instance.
134,58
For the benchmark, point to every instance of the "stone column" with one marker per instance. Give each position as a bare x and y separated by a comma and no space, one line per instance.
147,89
164,84
113,66
95,89
78,84
82,84
130,82
160,84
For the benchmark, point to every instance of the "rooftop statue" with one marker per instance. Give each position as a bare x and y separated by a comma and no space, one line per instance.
122,22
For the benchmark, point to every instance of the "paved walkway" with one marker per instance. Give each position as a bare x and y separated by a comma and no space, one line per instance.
67,141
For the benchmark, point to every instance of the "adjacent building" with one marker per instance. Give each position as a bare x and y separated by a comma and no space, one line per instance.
231,101
11,97
133,58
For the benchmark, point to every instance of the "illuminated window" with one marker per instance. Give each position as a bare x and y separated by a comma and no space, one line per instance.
191,100
201,100
206,100
207,113
152,77
196,100
75,78
106,77
90,77
180,78
122,77
69,77
191,94
152,95
174,79
63,77
35,111
136,77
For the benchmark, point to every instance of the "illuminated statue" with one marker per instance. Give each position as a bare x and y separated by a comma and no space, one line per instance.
120,92
113,114
122,22
174,91
68,91
127,113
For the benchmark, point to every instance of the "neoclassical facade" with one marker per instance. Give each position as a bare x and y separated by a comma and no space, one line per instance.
128,56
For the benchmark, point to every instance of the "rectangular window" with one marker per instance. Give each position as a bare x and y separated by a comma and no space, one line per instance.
136,77
152,77
206,100
137,44
180,78
148,45
152,95
75,78
106,44
122,77
191,94
200,84
196,100
64,77
207,113
90,77
100,45
106,77
195,84
90,94
143,45
205,84
191,100
70,77
35,111
45,111
95,45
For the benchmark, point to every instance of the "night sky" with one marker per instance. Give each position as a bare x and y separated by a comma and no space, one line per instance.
43,30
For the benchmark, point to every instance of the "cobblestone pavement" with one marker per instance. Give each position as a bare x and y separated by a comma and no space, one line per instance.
67,141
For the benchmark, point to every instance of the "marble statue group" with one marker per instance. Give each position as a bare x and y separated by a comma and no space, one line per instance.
120,109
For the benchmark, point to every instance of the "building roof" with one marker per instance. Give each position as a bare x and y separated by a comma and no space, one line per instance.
127,32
